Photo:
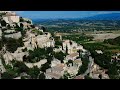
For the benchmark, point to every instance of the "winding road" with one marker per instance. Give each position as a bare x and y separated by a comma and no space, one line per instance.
91,62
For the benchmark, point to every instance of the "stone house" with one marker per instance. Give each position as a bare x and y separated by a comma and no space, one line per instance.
71,46
72,56
55,72
55,62
11,18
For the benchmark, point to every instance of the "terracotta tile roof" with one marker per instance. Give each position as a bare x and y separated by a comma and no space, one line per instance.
73,54
66,41
59,67
53,75
77,61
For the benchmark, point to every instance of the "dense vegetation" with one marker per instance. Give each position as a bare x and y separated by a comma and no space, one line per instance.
105,47
16,70
37,32
115,41
58,42
1,44
37,54
12,44
104,60
84,67
3,23
60,56
19,69
76,25
44,67
43,53
78,38
87,77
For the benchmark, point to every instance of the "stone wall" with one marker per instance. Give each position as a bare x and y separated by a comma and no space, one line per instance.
14,35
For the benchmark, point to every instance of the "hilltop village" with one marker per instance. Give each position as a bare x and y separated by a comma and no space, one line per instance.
28,51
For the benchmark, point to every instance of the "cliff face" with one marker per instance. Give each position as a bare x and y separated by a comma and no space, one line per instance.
20,36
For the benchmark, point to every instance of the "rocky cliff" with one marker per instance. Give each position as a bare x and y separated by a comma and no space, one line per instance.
17,38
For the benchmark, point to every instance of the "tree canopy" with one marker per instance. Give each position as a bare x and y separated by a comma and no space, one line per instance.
3,23
60,56
34,72
12,44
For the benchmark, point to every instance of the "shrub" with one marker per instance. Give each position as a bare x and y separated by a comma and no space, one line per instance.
3,23
12,44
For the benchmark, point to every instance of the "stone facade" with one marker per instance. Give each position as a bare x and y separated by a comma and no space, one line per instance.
31,41
71,46
55,62
55,72
72,56
11,19
14,35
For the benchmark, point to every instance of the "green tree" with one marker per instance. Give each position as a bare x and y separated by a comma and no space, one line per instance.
20,67
70,62
100,76
3,23
34,72
32,26
49,58
12,44
44,67
58,43
28,21
21,19
44,29
42,76
16,25
79,51
8,75
21,25
66,49
119,56
87,77
113,71
49,50
84,67
36,55
41,33
60,56
1,44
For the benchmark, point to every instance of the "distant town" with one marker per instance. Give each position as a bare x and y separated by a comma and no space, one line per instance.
59,49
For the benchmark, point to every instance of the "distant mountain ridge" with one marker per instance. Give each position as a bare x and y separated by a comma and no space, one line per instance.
109,16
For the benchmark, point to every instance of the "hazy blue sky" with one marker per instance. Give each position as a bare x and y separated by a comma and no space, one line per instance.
61,14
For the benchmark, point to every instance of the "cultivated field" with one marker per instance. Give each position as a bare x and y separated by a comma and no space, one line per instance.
103,36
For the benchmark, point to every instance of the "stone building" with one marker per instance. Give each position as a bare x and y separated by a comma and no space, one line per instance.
71,46
72,56
55,72
11,17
